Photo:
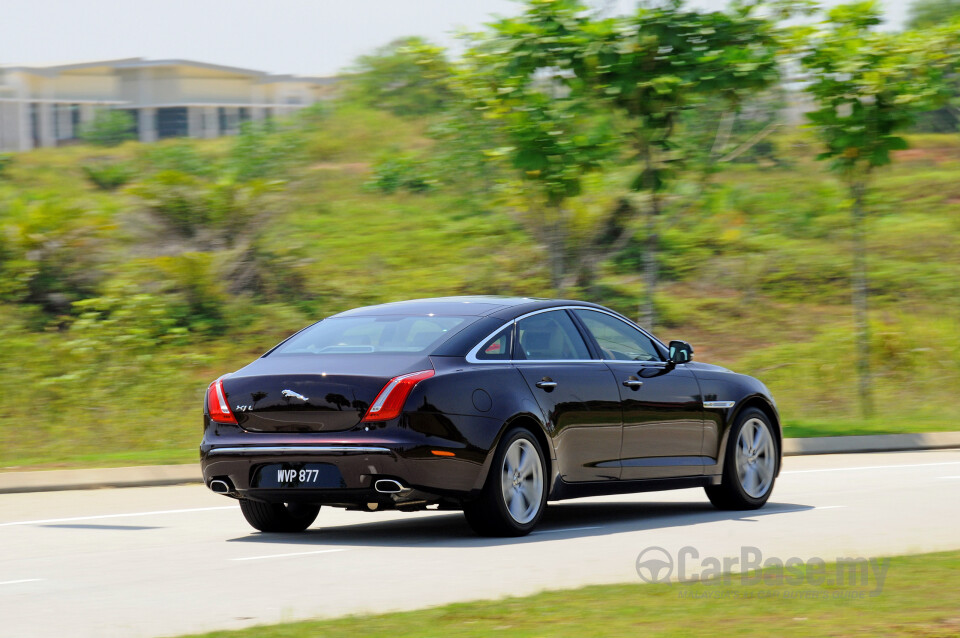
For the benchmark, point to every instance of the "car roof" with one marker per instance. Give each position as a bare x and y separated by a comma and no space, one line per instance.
474,306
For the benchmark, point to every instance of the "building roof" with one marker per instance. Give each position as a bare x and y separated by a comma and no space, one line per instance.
51,70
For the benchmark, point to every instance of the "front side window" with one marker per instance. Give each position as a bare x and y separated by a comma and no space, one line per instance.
618,340
550,336
364,335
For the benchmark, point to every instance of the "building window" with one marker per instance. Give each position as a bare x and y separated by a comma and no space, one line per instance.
35,123
75,120
172,122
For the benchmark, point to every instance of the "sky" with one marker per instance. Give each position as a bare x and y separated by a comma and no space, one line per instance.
302,37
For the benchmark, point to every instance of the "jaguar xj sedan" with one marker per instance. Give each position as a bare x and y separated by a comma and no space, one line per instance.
489,405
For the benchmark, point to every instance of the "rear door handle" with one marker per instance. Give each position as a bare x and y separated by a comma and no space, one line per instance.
547,384
633,383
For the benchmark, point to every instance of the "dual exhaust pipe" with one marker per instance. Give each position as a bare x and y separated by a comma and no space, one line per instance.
383,486
220,487
390,486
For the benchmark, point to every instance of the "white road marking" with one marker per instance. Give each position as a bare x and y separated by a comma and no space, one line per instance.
319,551
868,467
949,477
23,580
127,515
566,529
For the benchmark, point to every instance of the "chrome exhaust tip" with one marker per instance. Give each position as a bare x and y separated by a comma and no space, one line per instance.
389,486
219,487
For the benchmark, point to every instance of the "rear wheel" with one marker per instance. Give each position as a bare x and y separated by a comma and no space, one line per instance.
515,494
749,466
279,517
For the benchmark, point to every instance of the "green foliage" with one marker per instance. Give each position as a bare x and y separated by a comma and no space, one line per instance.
176,155
108,176
400,172
870,85
6,160
925,14
50,250
407,77
262,151
108,128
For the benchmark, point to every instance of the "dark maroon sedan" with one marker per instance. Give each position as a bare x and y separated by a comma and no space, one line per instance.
490,405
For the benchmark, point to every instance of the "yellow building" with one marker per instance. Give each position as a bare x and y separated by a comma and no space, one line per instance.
46,105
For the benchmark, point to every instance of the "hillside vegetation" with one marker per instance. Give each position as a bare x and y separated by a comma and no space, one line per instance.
130,277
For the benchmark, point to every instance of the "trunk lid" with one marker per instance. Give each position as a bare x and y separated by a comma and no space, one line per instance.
311,393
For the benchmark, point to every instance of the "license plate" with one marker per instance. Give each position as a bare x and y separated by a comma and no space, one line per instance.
296,475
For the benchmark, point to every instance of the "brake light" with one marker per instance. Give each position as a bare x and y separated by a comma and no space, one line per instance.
389,403
217,404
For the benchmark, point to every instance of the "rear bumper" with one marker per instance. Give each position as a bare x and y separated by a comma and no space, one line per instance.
231,455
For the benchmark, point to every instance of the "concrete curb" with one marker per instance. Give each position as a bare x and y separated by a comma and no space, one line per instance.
56,480
154,475
871,443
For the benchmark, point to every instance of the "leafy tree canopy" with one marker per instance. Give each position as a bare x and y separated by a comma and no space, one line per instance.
408,77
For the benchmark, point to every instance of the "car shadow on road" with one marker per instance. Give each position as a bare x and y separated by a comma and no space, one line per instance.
569,519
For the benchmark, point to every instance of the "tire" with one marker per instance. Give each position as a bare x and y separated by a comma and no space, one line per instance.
750,464
515,493
279,517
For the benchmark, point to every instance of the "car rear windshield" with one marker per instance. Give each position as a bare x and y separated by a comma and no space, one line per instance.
373,335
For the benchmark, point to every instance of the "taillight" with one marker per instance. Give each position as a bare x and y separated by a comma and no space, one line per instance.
389,403
217,404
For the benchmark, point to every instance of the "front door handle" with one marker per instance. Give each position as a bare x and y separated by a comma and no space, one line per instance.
633,383
547,384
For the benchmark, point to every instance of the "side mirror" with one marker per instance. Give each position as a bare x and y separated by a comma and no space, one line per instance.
680,352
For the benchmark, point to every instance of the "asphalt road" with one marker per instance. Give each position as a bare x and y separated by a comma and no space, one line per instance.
170,560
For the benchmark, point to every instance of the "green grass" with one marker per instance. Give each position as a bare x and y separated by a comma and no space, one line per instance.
112,323
919,597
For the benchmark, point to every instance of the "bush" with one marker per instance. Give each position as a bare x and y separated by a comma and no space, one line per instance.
108,176
397,172
181,156
6,159
108,128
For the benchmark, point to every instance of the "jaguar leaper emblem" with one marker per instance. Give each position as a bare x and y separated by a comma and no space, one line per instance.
295,395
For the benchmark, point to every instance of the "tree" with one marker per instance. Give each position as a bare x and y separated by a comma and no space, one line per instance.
925,14
867,87
109,128
525,78
408,77
653,66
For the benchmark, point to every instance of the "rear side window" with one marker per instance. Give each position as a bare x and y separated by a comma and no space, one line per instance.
497,348
550,336
373,335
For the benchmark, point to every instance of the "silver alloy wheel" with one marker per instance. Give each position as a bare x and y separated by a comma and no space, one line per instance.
521,481
756,458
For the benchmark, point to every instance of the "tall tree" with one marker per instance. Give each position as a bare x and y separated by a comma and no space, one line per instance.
867,86
925,14
652,66
408,77
525,77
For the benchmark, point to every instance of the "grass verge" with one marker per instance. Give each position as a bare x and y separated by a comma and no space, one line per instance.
919,597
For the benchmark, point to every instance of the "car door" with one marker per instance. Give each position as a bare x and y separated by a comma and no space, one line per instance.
576,392
661,403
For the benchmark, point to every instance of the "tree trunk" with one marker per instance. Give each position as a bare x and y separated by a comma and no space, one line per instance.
859,294
648,314
556,244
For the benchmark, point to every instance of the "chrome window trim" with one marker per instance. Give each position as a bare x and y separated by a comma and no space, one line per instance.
297,449
472,355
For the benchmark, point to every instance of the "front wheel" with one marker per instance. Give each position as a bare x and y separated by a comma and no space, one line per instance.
279,517
515,494
749,466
